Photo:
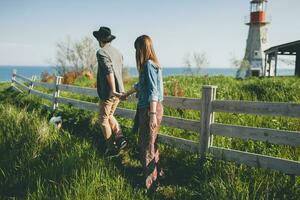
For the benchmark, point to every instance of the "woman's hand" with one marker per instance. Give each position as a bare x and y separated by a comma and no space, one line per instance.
153,121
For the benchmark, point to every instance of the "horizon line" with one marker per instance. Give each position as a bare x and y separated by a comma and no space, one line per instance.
133,67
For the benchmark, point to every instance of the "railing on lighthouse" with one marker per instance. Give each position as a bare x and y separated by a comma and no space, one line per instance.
257,13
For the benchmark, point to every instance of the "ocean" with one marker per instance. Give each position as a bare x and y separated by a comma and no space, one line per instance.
28,71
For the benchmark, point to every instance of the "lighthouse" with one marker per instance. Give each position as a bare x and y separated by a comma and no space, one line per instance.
257,37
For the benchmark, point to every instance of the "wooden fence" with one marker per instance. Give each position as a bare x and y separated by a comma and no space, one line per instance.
205,126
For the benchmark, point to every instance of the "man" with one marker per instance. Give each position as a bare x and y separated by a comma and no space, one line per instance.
110,88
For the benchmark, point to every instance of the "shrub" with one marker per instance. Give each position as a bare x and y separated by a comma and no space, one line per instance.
46,77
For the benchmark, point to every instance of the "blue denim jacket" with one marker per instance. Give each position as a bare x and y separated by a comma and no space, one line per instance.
150,85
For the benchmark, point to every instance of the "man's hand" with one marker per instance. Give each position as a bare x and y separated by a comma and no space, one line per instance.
117,94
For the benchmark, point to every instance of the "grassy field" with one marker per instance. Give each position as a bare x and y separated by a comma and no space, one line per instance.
39,162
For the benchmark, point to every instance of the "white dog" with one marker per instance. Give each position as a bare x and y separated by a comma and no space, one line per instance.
56,121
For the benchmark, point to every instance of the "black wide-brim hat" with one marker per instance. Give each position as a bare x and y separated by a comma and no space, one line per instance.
104,34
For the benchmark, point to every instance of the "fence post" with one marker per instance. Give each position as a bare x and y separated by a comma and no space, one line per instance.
56,92
207,117
33,78
13,78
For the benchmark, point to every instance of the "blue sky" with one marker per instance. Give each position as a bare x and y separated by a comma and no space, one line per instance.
31,28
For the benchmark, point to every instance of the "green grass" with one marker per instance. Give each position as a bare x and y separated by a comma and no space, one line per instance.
39,162
70,163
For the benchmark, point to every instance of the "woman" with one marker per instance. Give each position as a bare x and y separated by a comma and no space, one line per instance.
149,109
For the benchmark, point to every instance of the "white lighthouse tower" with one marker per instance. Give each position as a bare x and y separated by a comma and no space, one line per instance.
257,37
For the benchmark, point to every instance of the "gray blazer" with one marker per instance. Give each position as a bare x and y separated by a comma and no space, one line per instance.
110,60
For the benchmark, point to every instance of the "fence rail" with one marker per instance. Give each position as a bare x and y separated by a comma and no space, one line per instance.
78,90
273,136
256,160
259,108
23,78
205,126
175,102
45,85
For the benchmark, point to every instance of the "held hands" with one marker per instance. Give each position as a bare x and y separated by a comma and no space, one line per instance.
121,95
124,96
117,94
127,94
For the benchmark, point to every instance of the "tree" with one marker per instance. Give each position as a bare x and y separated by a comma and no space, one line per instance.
195,63
76,56
243,66
187,63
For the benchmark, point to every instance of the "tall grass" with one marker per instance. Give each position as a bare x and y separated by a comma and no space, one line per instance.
39,162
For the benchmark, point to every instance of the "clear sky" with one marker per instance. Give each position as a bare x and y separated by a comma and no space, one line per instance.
29,29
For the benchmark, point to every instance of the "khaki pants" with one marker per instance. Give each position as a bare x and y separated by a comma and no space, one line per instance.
108,122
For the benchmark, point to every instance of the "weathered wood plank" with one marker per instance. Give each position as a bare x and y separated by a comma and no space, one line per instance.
24,87
261,108
177,102
43,95
56,92
207,118
23,78
79,104
79,90
180,143
182,103
181,123
274,136
50,86
256,160
126,113
16,89
166,121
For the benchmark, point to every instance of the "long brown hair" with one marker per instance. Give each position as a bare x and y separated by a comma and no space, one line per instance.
144,51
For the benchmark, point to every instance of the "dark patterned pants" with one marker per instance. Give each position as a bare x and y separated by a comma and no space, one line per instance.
148,144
